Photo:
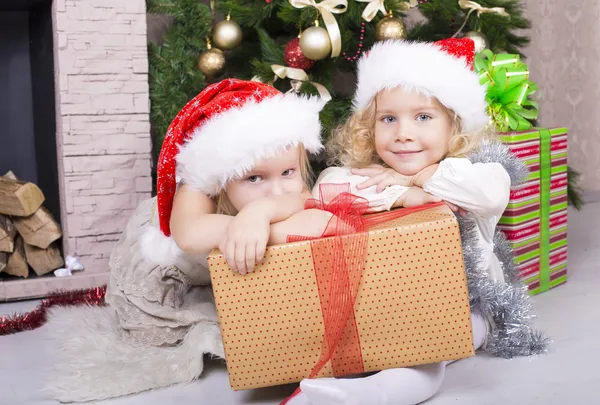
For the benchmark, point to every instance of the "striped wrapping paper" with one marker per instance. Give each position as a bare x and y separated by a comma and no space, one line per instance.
535,221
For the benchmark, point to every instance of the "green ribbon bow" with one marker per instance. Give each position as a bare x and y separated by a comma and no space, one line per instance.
508,90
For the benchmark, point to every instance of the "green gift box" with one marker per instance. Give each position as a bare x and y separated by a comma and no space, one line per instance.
535,221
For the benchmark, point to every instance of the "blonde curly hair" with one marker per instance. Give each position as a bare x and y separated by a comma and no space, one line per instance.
353,143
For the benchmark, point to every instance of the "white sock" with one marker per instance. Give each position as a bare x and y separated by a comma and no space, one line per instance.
399,386
300,399
480,330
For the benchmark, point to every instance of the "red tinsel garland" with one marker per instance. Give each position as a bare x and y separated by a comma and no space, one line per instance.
37,317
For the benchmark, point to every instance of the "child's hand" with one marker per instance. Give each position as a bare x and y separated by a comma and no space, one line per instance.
246,238
455,208
381,176
415,197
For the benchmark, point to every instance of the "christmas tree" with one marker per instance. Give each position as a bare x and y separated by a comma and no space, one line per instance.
306,46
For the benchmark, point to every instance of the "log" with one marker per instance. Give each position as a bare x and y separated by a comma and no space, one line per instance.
39,229
43,261
16,264
3,259
7,234
19,198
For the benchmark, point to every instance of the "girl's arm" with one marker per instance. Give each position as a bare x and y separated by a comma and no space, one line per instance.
195,226
248,234
242,239
309,223
480,188
313,222
197,229
279,207
414,197
378,201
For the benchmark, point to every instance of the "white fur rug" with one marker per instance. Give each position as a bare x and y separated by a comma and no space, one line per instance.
91,363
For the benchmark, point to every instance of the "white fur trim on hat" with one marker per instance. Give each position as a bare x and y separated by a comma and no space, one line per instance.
230,145
160,249
163,251
426,68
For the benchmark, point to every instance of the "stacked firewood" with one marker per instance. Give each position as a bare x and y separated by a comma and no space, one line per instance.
28,232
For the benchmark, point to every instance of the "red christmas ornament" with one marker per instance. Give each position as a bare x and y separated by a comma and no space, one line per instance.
294,58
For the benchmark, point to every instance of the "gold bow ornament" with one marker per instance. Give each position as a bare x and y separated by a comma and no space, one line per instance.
473,6
327,9
297,77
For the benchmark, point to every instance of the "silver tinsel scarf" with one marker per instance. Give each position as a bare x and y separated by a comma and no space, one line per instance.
506,305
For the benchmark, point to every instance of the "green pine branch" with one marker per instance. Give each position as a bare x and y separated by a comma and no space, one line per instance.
270,51
173,75
268,27
262,70
444,18
574,191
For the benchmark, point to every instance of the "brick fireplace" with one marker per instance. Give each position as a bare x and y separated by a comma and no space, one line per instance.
103,141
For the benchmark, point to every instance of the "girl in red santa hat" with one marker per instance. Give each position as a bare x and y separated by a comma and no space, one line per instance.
233,167
418,134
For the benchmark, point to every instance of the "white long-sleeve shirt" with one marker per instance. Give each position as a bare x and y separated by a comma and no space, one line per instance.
482,189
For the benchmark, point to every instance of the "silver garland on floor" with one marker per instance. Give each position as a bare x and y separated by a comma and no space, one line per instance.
506,305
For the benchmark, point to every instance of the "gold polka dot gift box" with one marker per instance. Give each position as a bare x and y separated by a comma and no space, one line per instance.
392,296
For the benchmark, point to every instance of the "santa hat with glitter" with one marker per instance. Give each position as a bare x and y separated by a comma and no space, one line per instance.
442,69
220,135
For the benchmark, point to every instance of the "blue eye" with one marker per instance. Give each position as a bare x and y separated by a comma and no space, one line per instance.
388,119
288,173
254,179
423,117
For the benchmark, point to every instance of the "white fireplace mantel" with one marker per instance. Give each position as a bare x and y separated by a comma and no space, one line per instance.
102,133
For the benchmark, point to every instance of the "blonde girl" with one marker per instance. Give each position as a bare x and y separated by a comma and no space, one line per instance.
419,111
233,167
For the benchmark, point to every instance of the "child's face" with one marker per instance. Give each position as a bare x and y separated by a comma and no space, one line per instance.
412,131
270,177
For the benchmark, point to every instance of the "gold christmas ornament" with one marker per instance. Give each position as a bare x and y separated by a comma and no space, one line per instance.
481,42
315,43
326,10
390,27
227,34
211,62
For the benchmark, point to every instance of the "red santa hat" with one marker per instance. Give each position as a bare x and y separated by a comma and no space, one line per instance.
442,69
220,135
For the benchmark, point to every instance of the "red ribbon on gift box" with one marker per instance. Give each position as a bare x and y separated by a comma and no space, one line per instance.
339,257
